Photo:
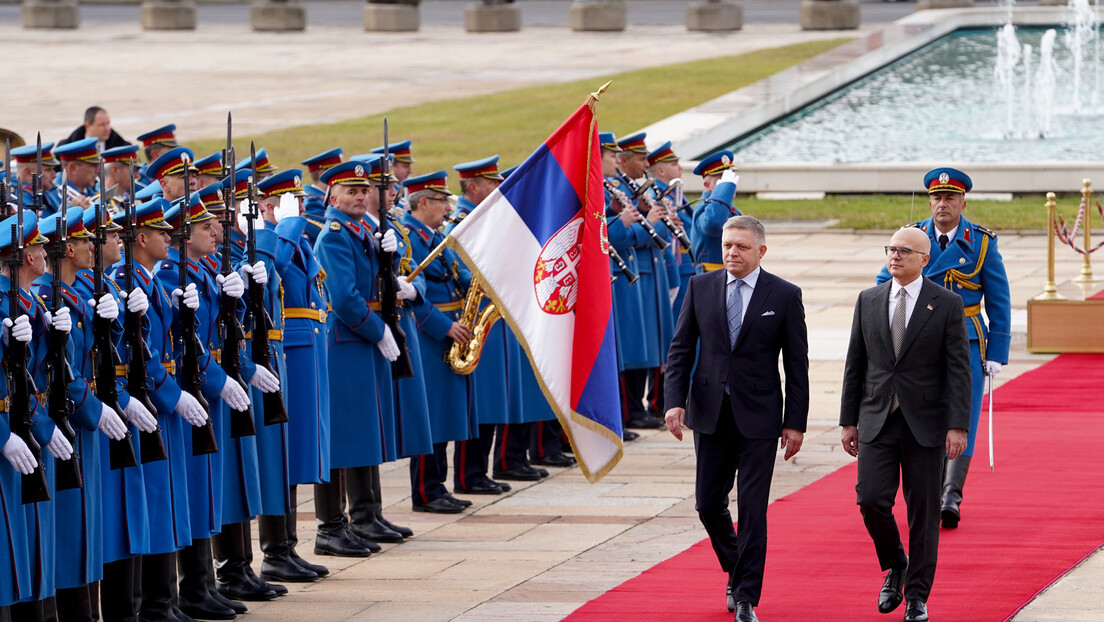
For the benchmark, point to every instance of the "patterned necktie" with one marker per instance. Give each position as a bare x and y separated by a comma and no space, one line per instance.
735,313
943,240
897,329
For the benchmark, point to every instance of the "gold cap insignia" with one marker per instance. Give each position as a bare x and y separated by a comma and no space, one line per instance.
944,178
298,182
335,226
359,170
726,160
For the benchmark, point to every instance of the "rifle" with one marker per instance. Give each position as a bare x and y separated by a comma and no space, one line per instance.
104,355
627,202
138,353
274,409
36,180
241,421
58,402
678,232
6,183
20,383
400,367
203,437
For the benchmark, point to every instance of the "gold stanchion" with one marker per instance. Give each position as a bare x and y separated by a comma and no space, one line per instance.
1086,275
1050,289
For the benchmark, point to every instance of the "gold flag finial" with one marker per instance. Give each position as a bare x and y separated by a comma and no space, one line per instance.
597,95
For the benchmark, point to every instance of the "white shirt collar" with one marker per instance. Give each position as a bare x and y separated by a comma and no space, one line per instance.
912,288
750,280
950,235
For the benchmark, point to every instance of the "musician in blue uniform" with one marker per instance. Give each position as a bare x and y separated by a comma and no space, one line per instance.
715,207
37,596
964,259
80,161
79,525
665,168
446,281
166,484
314,204
362,413
26,166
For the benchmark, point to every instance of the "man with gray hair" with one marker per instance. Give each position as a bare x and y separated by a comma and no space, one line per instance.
735,404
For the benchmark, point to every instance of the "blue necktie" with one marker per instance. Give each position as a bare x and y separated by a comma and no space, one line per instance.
735,313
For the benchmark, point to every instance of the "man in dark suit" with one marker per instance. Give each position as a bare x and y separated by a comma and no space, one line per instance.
731,329
905,403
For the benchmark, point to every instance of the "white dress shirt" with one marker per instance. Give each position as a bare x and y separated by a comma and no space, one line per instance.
913,290
746,290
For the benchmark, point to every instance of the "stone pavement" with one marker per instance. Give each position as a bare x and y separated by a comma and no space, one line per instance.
544,549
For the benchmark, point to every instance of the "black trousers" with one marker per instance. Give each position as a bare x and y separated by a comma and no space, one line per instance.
633,384
75,604
547,439
469,458
121,590
894,458
726,456
511,447
427,475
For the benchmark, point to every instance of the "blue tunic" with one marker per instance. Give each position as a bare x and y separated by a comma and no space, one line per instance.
362,407
314,211
971,266
452,417
709,219
166,483
628,315
307,354
123,491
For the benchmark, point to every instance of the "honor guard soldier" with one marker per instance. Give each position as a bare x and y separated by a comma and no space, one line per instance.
212,502
964,259
26,166
122,493
402,167
208,170
653,287
155,143
166,484
168,172
715,208
117,167
362,414
315,203
663,163
307,391
37,598
446,281
494,375
264,168
80,161
79,525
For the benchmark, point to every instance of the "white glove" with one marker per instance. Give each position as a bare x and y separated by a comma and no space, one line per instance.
190,409
19,455
191,297
137,414
289,206
731,176
245,213
231,284
265,380
388,243
22,329
992,368
387,346
136,301
258,272
406,289
60,320
59,446
111,424
107,307
672,293
234,395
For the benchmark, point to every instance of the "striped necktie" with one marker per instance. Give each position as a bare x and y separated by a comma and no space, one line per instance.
735,313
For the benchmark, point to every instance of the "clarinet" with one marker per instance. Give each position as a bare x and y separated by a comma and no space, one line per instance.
626,202
678,232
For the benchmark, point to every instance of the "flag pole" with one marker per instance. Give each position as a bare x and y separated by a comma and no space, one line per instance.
425,262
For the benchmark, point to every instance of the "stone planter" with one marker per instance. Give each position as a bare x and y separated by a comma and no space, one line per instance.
714,16
830,15
922,5
168,15
601,16
492,18
391,17
278,16
50,14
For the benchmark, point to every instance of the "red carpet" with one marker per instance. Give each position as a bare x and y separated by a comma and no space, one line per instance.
1024,525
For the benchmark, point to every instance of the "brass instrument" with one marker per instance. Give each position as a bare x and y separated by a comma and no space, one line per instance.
464,356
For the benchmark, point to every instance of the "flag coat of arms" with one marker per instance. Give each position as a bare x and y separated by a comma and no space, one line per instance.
538,243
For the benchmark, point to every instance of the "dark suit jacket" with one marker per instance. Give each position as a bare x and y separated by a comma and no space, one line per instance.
931,376
774,323
113,140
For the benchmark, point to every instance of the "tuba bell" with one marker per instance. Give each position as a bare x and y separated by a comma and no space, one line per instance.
464,356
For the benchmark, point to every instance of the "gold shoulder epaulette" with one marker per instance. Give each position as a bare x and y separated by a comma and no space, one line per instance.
988,232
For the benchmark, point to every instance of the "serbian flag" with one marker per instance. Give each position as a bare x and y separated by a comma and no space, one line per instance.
538,243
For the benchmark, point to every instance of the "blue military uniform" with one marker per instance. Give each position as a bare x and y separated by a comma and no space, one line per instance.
28,155
712,212
971,266
315,202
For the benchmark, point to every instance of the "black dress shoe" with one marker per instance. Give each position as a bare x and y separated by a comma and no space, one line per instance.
481,488
375,531
629,435
464,503
503,485
891,595
949,518
745,612
519,475
285,569
731,600
239,587
542,472
176,615
405,532
302,563
281,590
555,460
916,611
207,609
372,546
238,607
339,544
645,423
439,506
